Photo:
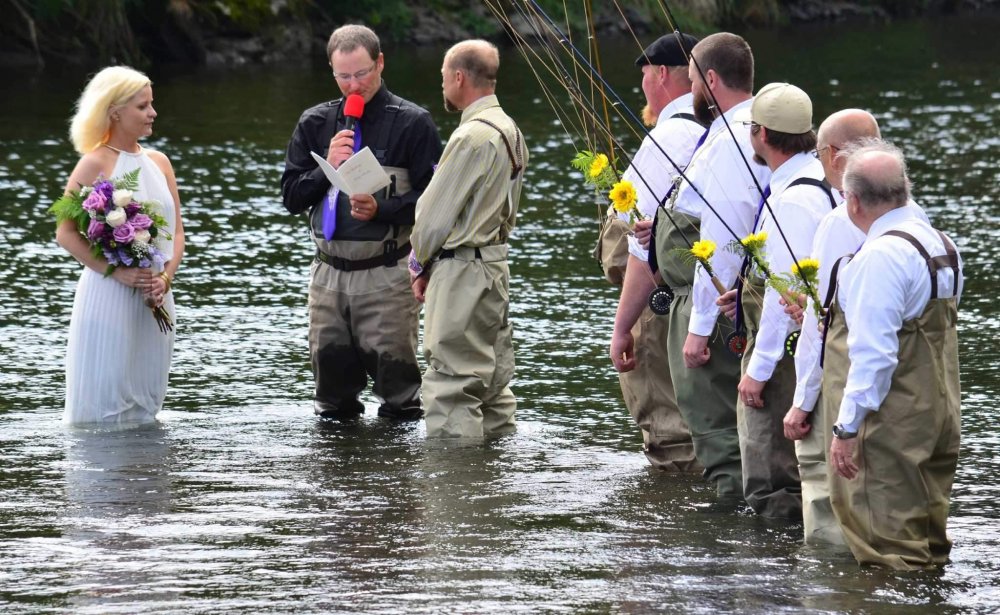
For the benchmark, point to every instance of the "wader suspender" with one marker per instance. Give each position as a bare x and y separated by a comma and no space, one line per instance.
686,116
391,253
819,183
517,164
934,263
831,296
381,149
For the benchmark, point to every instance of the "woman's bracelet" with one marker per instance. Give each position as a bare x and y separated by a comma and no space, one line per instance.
166,280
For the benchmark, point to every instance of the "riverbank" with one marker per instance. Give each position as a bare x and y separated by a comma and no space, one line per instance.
240,32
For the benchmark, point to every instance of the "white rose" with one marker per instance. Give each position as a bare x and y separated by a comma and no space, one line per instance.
153,206
121,197
142,236
116,217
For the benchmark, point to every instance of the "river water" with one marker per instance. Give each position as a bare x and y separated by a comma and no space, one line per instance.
240,500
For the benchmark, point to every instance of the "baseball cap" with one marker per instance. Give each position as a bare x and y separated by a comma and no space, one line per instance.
782,107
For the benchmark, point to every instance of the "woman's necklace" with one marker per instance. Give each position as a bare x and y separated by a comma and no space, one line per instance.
121,151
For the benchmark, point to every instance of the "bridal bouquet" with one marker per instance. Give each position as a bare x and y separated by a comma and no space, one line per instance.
122,230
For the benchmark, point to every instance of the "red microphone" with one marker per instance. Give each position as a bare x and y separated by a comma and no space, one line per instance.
354,107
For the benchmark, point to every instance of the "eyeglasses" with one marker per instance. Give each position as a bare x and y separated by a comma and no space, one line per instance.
358,76
754,126
819,150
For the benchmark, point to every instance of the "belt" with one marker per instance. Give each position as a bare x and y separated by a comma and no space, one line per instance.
451,254
389,257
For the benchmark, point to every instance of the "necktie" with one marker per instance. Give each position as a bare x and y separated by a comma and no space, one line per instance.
745,267
332,195
701,140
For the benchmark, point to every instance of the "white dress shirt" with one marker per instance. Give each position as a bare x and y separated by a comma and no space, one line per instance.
719,171
677,137
798,211
885,285
835,238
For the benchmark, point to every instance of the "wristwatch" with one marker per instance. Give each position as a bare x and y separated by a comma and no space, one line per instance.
842,434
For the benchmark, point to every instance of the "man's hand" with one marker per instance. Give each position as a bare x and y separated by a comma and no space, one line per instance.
363,207
796,423
643,231
842,457
696,352
794,308
751,392
418,283
623,351
727,303
341,148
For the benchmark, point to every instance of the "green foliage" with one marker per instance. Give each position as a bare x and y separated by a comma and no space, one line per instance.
250,15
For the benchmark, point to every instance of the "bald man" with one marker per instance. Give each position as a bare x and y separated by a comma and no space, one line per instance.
806,421
459,261
891,359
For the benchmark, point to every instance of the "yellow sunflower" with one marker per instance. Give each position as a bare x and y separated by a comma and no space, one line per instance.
623,196
599,164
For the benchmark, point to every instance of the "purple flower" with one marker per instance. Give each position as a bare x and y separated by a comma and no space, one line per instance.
144,263
95,230
95,201
132,209
141,221
111,256
105,187
125,257
157,256
124,233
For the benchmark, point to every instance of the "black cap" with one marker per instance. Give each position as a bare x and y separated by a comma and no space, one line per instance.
666,51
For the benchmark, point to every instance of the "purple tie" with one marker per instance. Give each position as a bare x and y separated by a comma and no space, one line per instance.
330,202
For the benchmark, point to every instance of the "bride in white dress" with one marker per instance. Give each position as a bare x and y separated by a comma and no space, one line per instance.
117,359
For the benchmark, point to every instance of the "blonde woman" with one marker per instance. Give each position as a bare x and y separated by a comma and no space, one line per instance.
117,359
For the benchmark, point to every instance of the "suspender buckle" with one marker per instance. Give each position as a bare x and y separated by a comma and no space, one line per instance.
389,249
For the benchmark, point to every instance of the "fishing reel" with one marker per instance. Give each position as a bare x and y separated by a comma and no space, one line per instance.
660,300
736,343
792,343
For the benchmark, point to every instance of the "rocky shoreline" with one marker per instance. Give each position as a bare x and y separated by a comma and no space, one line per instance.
174,37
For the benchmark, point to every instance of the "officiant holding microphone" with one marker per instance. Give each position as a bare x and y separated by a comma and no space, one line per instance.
363,318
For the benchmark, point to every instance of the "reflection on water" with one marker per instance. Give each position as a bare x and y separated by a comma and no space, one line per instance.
242,501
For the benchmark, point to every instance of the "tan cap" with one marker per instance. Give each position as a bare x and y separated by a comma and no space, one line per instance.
782,107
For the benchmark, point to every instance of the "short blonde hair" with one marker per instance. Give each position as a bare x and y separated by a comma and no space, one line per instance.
112,87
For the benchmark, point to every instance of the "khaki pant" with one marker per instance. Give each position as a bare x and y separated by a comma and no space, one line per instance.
771,482
468,346
821,526
649,395
357,335
895,511
706,397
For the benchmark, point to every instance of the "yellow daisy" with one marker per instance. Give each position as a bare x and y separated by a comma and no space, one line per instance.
807,268
703,250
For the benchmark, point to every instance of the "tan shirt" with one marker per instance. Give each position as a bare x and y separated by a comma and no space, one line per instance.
466,203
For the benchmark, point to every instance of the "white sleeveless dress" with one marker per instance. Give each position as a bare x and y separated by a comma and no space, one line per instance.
117,360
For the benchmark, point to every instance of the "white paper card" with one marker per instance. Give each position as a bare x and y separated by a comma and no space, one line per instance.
359,174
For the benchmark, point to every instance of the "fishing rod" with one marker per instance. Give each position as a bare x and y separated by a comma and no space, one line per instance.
563,39
715,102
589,107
